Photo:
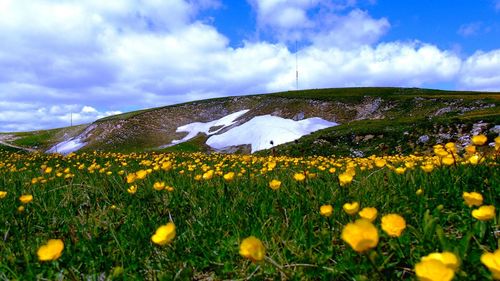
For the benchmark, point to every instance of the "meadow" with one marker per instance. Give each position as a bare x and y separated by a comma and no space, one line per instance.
194,216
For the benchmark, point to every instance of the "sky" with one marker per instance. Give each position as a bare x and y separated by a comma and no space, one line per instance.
64,61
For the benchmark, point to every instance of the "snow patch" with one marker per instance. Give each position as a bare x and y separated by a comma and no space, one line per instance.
67,147
193,129
261,130
73,144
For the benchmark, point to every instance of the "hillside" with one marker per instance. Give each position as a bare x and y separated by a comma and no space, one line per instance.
370,120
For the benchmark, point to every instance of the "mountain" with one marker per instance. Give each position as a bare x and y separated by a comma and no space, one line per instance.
342,121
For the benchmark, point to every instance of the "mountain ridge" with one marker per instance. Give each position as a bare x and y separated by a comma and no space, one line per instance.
358,108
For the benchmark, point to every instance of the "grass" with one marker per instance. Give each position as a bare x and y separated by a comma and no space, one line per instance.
196,144
343,95
44,139
83,200
5,148
149,129
388,135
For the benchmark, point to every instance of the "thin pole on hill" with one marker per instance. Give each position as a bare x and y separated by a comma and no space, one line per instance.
296,66
71,119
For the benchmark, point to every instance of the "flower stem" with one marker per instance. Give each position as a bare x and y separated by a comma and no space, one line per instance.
372,263
279,267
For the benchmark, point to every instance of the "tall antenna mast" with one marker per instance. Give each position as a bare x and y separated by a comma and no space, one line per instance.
296,67
71,119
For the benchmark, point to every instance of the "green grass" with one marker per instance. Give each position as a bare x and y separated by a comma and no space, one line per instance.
107,231
44,139
342,94
4,148
196,144
389,135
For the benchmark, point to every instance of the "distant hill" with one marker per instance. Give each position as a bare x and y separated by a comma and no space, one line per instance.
370,121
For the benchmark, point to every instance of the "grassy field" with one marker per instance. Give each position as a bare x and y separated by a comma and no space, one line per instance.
106,208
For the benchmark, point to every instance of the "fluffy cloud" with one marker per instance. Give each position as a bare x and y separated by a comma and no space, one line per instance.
16,116
389,64
480,71
319,22
93,58
355,29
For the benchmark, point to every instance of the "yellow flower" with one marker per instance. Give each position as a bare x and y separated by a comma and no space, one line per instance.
475,159
25,199
275,184
484,213
433,270
166,166
229,176
380,163
253,249
3,194
131,178
368,213
361,235
132,189
299,176
48,170
492,262
50,251
419,192
470,149
208,175
159,185
141,174
345,178
20,209
440,151
449,259
448,160
351,208
393,224
164,234
326,210
451,147
473,199
427,168
400,170
479,140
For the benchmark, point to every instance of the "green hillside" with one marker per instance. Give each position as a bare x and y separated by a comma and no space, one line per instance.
373,120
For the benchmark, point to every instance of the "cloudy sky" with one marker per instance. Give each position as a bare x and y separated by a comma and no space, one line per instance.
92,58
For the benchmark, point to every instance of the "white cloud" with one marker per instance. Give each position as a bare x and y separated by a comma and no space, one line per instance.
319,22
26,117
94,58
285,18
389,64
480,71
355,29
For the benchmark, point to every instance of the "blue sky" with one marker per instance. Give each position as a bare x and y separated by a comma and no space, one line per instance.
93,58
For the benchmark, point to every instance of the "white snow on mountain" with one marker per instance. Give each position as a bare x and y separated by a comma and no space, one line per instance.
66,147
195,128
261,130
72,144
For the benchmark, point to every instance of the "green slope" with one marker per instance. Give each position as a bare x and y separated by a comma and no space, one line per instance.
396,117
